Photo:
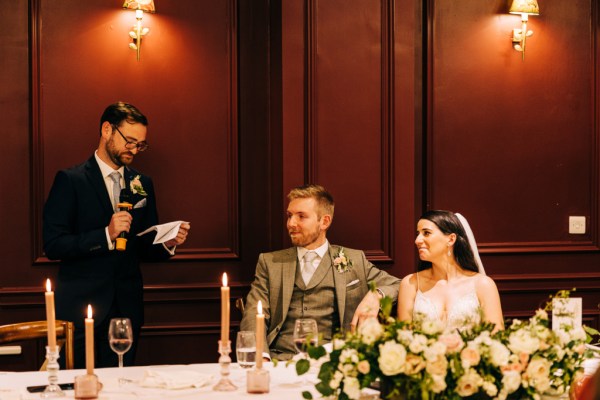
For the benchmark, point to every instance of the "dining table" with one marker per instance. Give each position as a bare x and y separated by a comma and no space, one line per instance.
140,382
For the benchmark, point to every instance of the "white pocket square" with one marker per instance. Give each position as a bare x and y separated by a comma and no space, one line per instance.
140,204
354,282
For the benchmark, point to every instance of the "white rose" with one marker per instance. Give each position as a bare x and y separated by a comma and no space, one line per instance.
432,326
439,383
349,355
352,387
404,336
438,366
511,381
469,357
414,364
392,357
541,385
434,351
370,330
418,343
334,383
489,388
538,369
499,354
469,383
483,338
522,341
338,344
542,332
349,370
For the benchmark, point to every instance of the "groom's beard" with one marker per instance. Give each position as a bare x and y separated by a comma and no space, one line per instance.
304,239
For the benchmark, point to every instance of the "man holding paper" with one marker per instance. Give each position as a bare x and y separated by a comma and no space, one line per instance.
82,221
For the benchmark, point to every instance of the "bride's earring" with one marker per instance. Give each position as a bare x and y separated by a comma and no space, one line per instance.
449,252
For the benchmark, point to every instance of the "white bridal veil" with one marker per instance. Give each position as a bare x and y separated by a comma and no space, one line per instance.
472,241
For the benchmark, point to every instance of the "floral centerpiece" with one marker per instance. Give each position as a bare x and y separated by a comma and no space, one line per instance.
419,360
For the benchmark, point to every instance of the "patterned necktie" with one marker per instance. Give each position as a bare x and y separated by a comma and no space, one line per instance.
116,190
309,268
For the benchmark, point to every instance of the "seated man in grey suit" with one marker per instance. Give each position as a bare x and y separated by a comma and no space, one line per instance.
312,279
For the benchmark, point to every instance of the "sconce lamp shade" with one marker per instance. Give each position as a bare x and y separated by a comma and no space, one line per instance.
529,7
144,5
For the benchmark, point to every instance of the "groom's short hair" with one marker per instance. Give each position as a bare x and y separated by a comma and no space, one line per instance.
319,193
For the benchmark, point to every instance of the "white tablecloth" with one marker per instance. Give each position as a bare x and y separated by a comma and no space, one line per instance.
285,384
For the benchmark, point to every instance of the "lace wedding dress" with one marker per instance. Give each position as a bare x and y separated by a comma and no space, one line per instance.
465,311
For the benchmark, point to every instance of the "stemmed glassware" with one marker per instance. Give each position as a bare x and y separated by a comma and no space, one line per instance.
305,331
120,337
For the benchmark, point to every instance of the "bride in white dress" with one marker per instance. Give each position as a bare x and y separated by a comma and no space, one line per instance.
451,285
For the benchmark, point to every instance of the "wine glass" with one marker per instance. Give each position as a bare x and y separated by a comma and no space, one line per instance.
305,331
120,337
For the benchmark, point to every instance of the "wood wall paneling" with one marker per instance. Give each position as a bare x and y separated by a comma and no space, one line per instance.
395,108
190,149
513,144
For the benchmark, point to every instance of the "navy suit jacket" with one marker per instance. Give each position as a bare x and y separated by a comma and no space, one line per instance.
76,213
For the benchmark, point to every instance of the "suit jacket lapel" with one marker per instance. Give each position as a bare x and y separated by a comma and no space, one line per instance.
288,277
340,284
128,176
94,175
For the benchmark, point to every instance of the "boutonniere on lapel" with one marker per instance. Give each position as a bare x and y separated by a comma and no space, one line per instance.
341,262
136,186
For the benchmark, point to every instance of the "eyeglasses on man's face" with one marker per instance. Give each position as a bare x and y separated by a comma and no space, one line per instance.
130,145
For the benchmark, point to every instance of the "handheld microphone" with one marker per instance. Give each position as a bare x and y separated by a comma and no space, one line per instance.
123,205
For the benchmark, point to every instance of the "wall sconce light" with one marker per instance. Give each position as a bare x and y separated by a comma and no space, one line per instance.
137,31
525,8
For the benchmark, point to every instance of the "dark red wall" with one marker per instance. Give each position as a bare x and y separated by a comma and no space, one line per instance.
395,107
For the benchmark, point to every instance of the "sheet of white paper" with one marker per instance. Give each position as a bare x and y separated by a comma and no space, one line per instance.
164,232
566,312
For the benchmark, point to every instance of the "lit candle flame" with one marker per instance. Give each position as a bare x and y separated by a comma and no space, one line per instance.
259,307
48,285
224,279
89,311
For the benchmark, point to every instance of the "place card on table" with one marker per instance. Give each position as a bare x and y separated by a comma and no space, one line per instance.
566,312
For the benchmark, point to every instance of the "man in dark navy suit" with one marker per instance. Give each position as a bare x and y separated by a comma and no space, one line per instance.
82,222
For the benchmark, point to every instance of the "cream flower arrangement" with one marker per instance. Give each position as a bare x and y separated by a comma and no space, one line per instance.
419,360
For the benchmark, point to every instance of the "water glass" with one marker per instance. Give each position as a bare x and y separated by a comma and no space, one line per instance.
245,349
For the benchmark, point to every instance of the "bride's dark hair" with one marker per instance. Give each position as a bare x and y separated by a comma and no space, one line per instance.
449,223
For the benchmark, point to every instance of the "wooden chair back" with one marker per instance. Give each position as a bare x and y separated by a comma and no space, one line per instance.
39,329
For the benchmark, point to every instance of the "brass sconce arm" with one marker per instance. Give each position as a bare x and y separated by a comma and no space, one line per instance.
137,31
525,8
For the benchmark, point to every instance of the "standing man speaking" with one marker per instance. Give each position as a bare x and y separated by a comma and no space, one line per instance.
82,222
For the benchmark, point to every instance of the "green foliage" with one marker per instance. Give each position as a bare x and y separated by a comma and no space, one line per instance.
302,366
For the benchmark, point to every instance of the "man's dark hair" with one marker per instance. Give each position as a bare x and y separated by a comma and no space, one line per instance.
121,111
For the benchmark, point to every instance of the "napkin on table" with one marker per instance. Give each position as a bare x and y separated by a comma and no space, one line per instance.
174,379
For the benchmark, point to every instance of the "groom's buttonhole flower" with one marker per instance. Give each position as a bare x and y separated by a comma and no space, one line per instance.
136,186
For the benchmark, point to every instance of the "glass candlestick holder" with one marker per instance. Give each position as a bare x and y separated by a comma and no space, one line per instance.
52,390
257,381
225,384
87,387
